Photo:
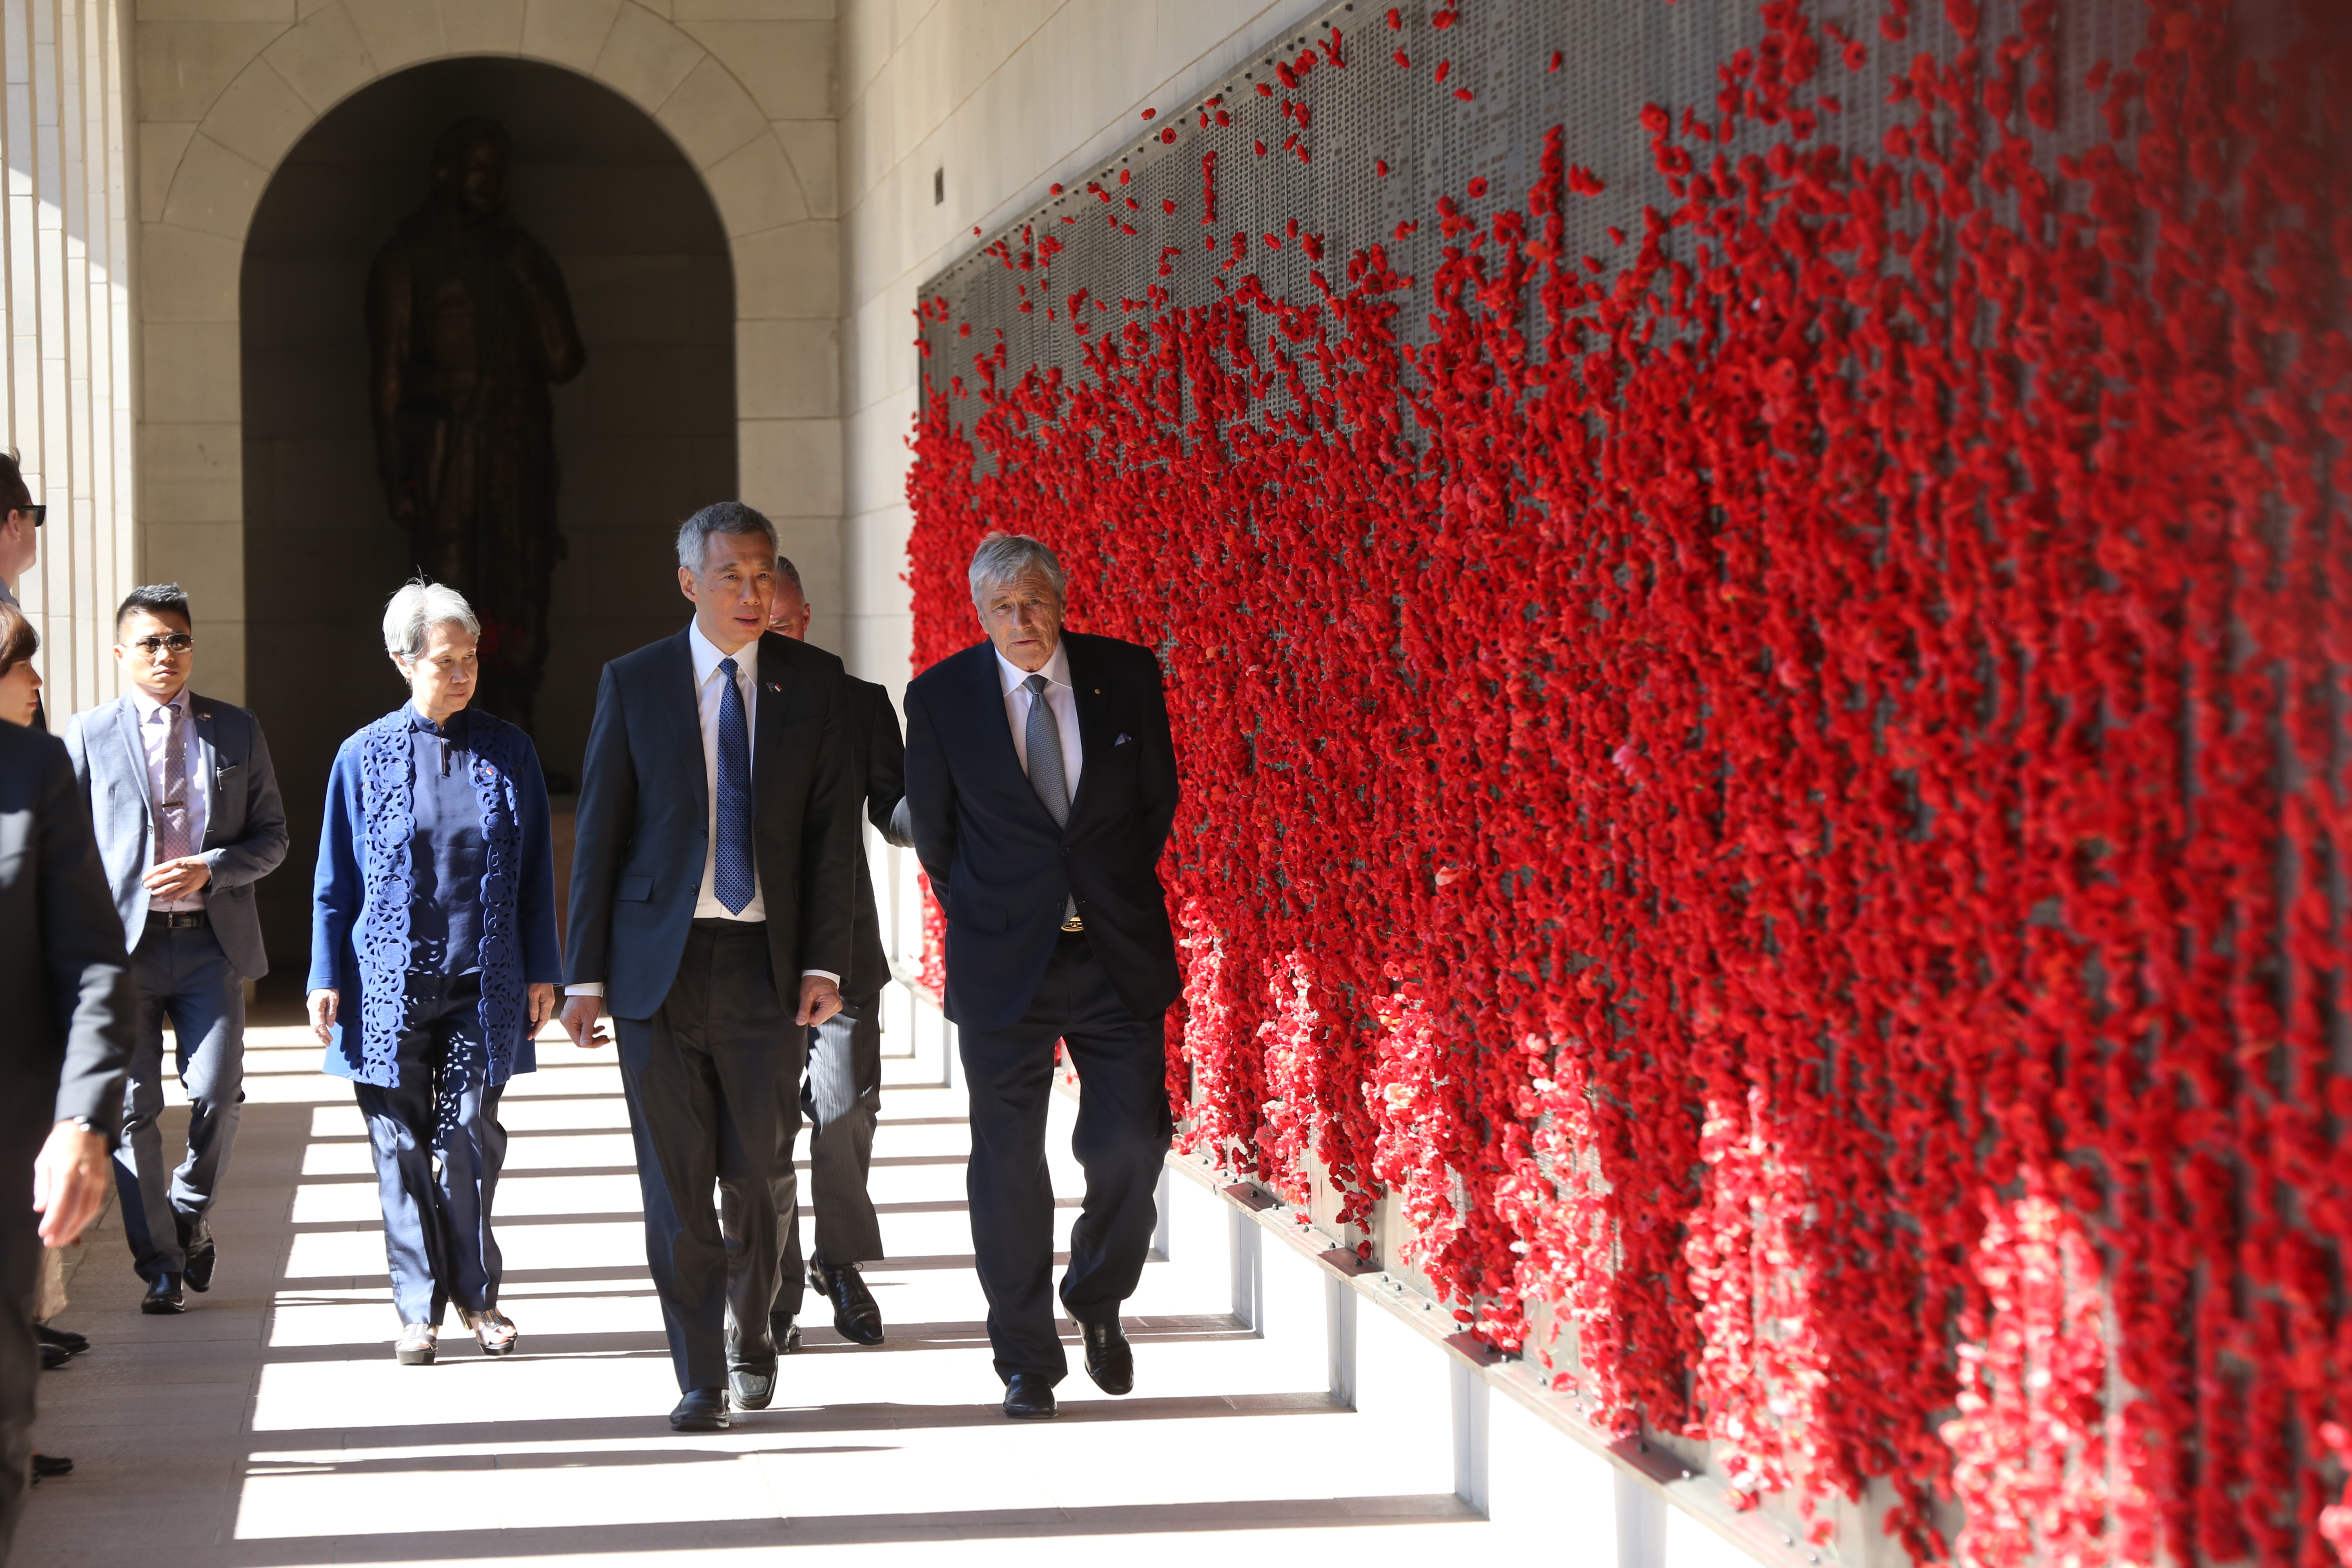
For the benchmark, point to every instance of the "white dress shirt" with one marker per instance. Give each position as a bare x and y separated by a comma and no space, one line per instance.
707,693
1060,696
154,734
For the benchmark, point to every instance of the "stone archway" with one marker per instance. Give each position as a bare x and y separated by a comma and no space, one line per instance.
221,103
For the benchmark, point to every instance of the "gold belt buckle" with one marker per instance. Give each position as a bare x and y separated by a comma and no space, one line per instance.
1074,923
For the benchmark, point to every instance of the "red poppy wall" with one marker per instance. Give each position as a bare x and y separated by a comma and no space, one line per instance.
1759,608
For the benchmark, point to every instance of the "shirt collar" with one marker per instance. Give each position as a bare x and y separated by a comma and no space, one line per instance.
148,707
707,656
449,728
1010,675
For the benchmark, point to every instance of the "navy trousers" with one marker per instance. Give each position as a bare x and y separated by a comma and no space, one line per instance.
183,976
1120,1141
444,1113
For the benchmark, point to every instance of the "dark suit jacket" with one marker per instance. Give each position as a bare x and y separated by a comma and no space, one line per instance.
65,980
244,822
643,825
877,759
999,867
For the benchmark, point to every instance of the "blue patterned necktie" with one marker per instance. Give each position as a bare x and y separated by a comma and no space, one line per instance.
730,870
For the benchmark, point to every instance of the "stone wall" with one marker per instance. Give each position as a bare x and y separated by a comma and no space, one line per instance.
65,298
981,104
226,87
645,434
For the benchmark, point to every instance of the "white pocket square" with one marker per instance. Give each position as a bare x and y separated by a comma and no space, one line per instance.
1121,741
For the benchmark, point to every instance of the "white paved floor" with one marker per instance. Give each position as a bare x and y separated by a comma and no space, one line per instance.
270,1425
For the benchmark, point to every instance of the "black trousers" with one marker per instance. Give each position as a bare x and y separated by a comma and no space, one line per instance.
24,1126
841,1099
1121,1140
713,1082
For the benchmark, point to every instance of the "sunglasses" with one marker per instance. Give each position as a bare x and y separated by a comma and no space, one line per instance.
176,642
39,514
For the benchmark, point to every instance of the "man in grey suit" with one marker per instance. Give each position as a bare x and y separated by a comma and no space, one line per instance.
65,992
188,818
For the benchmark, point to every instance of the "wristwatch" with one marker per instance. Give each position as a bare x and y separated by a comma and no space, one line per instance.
83,1124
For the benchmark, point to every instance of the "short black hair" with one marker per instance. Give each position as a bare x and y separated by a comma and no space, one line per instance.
156,599
14,493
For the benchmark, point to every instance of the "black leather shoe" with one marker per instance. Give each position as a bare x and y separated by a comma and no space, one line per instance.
785,1333
1029,1397
164,1296
1110,1359
751,1387
196,1241
65,1340
702,1410
47,1465
54,1356
856,1316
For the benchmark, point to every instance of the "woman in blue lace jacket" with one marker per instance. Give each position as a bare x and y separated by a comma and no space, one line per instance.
433,959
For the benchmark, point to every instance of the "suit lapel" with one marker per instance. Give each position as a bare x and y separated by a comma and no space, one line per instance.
685,725
771,695
986,696
1095,733
207,758
134,750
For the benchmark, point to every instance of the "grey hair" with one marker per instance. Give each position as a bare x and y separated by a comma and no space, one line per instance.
718,517
789,573
1009,557
421,605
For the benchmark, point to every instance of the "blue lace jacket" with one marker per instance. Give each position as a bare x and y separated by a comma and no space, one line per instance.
359,942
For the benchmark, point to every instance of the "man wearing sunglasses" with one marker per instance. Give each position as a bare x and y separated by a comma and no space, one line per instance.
20,545
188,818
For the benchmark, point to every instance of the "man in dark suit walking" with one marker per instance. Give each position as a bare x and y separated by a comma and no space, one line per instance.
65,991
1041,785
186,803
712,883
842,1094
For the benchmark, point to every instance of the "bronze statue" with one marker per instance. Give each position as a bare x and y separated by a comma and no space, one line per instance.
468,324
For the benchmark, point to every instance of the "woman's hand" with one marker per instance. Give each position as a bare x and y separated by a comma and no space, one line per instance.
542,1005
323,1003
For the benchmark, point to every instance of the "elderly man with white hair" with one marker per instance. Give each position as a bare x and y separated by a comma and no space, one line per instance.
1045,854
433,959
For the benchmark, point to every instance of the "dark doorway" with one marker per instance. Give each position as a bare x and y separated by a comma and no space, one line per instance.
643,435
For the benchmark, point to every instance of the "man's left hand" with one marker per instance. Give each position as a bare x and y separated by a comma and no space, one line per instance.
820,999
69,1179
177,878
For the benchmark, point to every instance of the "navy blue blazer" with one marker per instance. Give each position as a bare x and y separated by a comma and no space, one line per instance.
643,829
1001,869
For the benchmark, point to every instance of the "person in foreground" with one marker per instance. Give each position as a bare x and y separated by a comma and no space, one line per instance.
186,803
842,1093
711,892
65,990
1045,857
433,959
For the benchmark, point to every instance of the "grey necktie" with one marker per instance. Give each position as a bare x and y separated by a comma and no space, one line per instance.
1047,775
172,811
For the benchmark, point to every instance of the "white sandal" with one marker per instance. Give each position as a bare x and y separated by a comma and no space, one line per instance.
417,1345
494,1330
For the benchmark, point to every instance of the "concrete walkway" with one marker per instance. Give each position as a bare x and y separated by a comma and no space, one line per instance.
270,1425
